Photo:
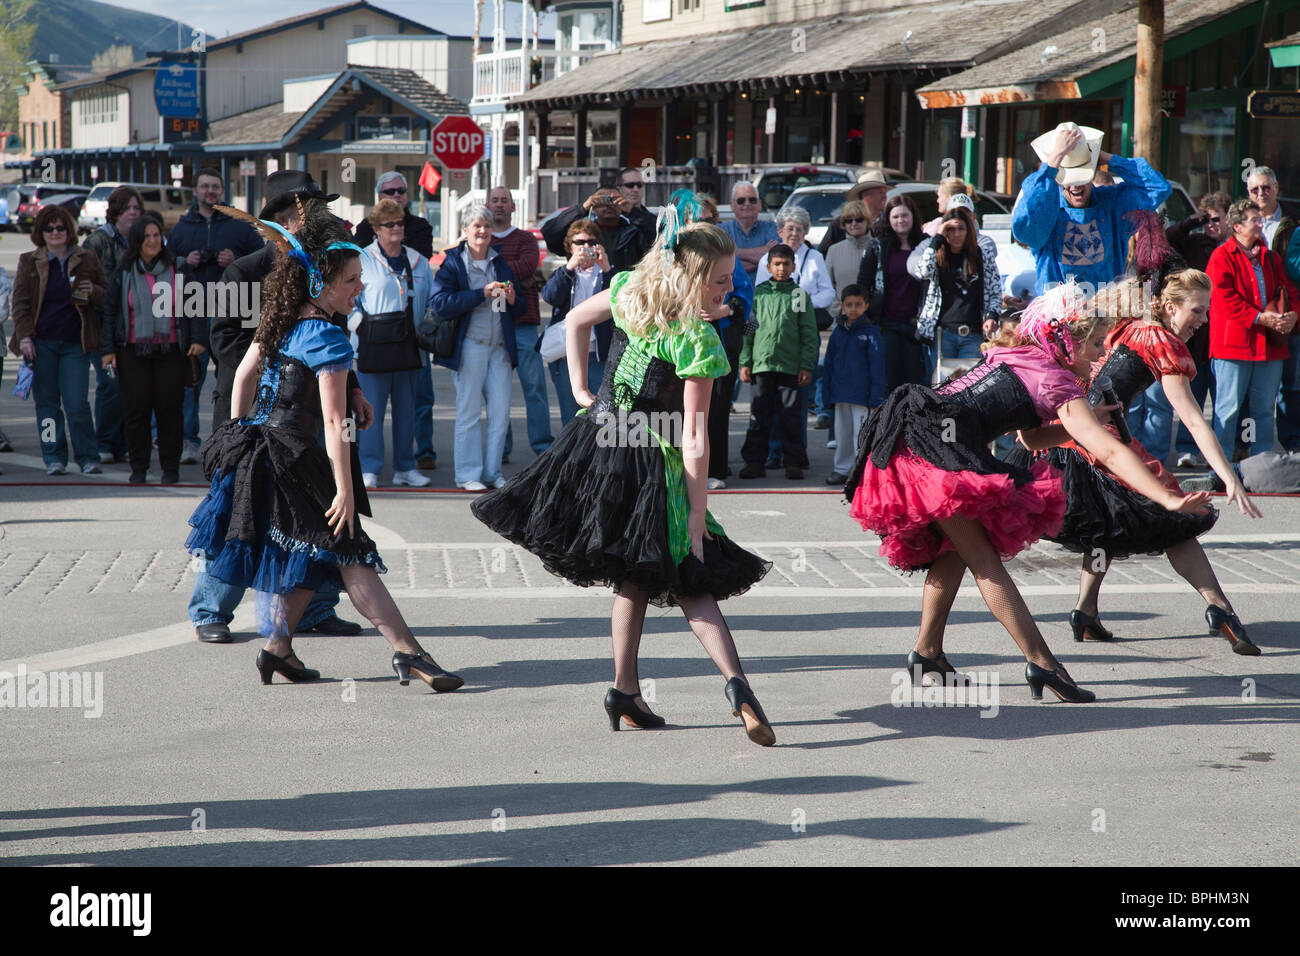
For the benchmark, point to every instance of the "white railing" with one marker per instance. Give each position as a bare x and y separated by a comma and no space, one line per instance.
499,76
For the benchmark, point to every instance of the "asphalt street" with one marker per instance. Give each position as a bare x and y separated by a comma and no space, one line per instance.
175,754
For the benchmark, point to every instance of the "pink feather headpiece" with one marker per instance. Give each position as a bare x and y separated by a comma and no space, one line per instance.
1047,319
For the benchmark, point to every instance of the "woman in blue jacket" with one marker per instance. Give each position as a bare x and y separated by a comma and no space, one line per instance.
586,273
476,287
398,279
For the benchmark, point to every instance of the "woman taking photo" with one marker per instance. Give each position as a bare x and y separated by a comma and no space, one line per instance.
586,272
280,516
398,285
475,287
964,300
58,292
147,338
895,293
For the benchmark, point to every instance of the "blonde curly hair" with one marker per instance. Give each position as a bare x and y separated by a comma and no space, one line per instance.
666,288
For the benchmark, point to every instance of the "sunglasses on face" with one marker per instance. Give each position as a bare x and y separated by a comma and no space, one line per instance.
585,242
1214,219
392,225
854,221
745,200
399,191
632,185
56,227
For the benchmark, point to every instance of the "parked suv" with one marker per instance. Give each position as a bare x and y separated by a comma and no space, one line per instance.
31,196
170,202
824,203
775,183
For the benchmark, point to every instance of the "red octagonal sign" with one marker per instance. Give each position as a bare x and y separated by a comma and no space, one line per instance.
458,142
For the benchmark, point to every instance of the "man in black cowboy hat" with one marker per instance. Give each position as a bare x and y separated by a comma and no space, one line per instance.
213,603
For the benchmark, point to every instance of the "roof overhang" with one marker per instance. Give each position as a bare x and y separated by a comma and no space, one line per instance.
990,96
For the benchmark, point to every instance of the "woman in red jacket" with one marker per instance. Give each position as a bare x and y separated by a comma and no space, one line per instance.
1247,278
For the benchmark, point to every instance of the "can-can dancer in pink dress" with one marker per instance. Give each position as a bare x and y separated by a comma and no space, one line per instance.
927,483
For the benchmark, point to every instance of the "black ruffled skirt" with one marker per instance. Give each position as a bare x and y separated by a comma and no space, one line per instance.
597,514
1103,516
262,524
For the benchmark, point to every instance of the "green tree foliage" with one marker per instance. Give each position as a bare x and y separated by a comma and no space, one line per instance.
17,25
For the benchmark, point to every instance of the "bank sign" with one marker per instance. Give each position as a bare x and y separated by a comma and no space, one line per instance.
176,90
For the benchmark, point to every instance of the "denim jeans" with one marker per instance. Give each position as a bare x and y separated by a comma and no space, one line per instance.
905,359
214,602
559,370
484,370
110,436
532,377
1202,385
379,388
60,387
1288,405
191,434
424,408
1151,421
1253,382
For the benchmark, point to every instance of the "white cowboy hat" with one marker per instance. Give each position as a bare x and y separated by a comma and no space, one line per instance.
1080,164
870,179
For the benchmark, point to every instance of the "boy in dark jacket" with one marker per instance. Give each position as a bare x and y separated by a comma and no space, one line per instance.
778,359
855,376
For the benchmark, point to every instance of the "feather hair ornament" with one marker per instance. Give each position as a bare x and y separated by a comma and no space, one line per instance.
681,209
1046,321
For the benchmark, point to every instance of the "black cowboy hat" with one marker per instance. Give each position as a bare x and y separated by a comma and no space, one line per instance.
282,187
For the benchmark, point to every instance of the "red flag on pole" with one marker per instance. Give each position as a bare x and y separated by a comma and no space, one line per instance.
430,178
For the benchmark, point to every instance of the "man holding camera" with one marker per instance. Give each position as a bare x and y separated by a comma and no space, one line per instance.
623,240
208,241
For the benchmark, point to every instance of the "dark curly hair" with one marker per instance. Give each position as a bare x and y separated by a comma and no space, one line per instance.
285,289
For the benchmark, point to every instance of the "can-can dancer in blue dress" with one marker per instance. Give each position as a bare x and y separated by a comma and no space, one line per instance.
281,513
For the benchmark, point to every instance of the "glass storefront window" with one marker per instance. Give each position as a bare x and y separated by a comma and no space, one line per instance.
1202,153
1277,145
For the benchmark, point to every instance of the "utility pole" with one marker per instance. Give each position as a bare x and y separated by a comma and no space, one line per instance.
1148,78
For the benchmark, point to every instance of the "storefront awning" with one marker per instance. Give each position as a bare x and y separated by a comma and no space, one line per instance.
936,36
1079,62
1286,51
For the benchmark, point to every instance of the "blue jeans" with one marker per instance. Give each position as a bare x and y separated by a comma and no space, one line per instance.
483,370
190,435
424,409
559,370
109,434
953,346
532,377
214,602
1151,421
60,387
1288,405
1202,385
1253,382
379,388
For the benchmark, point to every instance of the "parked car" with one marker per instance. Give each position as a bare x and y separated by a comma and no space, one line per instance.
5,222
777,182
32,197
170,202
72,202
824,203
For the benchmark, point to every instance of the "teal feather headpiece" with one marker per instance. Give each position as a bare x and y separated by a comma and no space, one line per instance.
681,209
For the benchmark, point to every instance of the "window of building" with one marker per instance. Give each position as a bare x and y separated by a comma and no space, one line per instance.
365,185
359,30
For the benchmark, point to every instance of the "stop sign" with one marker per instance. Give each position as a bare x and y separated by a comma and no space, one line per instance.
457,142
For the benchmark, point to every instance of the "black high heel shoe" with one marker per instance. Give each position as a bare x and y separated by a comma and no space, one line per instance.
1224,624
622,706
427,669
268,664
756,724
932,665
1088,628
1060,683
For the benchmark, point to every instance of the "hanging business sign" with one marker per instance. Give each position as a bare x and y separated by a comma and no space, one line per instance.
653,10
1273,103
372,127
176,90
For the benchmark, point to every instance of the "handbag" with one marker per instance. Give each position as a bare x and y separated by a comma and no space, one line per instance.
1278,305
386,342
822,316
438,336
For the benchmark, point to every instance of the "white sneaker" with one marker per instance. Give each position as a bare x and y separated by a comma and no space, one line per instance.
190,454
57,469
471,485
412,478
106,458
832,444
91,469
1188,460
716,483
498,482
369,480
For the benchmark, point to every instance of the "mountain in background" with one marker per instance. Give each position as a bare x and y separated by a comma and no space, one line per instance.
78,30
